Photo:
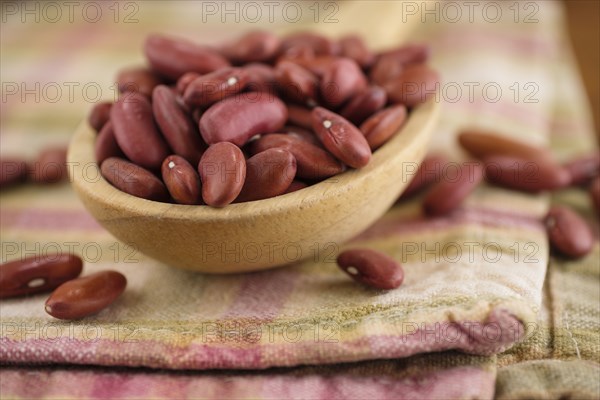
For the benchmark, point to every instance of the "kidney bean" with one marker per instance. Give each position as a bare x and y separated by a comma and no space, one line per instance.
215,86
261,78
106,144
238,118
312,162
133,179
297,52
37,274
481,144
302,133
99,115
300,116
50,166
583,169
85,296
372,268
524,174
269,174
295,186
223,172
181,179
390,64
254,46
568,233
317,65
447,194
341,138
297,83
383,125
320,44
355,48
416,53
429,171
594,191
173,57
185,80
177,126
415,85
137,79
342,80
196,115
364,104
136,132
12,171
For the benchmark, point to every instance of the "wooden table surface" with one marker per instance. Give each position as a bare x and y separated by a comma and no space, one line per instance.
584,26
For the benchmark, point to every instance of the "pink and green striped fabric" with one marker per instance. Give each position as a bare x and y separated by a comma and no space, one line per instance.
480,314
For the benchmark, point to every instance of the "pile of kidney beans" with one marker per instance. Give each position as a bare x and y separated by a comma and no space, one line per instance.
255,118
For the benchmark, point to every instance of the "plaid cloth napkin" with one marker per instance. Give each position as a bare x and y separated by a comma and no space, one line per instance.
475,280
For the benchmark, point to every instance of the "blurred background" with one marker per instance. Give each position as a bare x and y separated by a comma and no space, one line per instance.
583,17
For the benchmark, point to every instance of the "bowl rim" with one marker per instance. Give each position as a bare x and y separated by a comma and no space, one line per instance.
81,154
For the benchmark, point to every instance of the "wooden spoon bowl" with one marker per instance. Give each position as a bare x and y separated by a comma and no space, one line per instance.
260,234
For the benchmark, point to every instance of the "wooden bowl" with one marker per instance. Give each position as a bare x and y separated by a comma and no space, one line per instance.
260,234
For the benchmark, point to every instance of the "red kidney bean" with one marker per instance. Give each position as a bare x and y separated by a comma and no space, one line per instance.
173,57
320,44
594,191
136,132
372,268
341,138
137,79
342,80
303,134
106,144
355,48
415,85
85,296
37,274
269,174
389,65
181,179
568,233
415,53
261,78
254,46
50,166
99,115
300,116
525,174
12,171
297,52
429,171
383,125
317,65
481,144
196,115
223,172
297,83
177,126
238,118
295,186
210,88
448,194
583,169
364,104
385,69
185,80
312,161
133,179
